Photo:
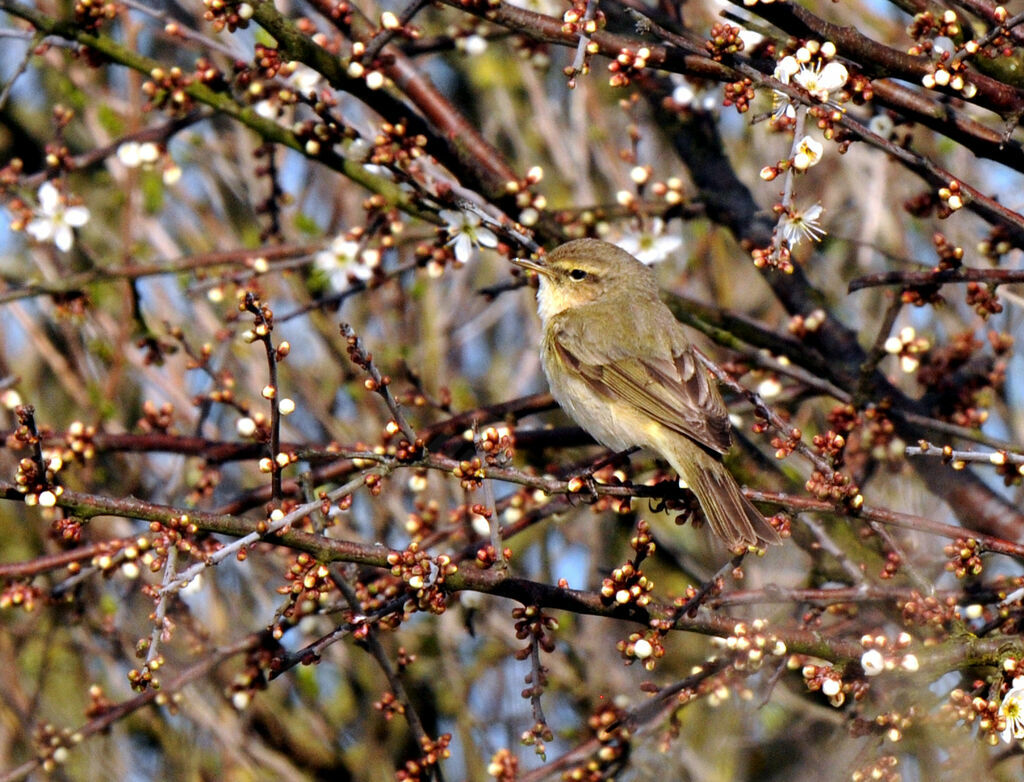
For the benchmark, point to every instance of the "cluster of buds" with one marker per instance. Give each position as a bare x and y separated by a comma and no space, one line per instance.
156,419
20,594
574,21
53,745
951,199
627,585
533,624
932,614
994,246
778,258
671,190
35,475
950,76
836,487
423,576
882,654
827,680
609,726
229,14
504,766
403,450
1011,471
36,482
394,146
971,709
739,93
539,733
498,445
883,769
645,647
310,585
268,61
423,520
948,71
908,347
167,88
254,425
486,556
801,325
962,380
844,418
282,459
627,63
725,41
927,26
91,14
389,706
964,557
984,299
177,532
749,643
891,565
470,473
785,447
831,445
119,555
207,73
642,542
530,204
891,724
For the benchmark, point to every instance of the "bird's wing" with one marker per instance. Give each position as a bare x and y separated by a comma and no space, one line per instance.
656,372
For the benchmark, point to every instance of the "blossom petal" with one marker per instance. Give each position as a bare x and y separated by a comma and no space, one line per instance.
64,237
808,153
49,198
76,216
462,246
41,229
786,68
832,77
454,218
486,237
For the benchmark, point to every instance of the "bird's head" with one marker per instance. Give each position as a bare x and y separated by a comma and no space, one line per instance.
587,270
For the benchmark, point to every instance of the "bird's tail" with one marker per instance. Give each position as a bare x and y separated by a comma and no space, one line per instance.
730,514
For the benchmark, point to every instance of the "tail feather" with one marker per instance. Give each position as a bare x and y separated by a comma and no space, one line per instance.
730,514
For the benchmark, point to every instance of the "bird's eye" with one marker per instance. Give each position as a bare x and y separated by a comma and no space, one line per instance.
577,274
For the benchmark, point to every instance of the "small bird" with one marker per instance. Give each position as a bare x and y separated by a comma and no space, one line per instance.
620,365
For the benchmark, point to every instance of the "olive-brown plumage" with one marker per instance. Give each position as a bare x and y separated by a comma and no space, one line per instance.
620,364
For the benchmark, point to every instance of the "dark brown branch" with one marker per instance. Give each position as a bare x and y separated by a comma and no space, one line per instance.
913,279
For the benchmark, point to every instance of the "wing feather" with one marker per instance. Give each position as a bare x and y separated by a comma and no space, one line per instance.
656,372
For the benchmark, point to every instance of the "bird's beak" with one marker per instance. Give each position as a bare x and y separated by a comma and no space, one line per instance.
526,263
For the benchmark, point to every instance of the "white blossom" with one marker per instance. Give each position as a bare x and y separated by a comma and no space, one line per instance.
473,45
132,154
1012,710
341,260
651,245
821,81
465,231
872,662
881,125
808,153
55,220
798,225
303,79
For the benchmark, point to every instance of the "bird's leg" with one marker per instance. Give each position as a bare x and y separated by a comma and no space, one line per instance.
586,473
